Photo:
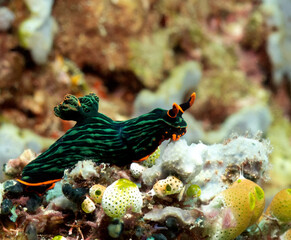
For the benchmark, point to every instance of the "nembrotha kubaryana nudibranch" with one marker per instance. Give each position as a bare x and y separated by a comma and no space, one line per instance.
103,140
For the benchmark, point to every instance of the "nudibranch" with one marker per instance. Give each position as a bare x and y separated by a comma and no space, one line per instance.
103,140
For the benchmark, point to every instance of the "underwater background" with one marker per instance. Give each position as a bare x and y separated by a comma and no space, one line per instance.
228,177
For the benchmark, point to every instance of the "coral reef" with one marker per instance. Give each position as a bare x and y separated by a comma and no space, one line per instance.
6,18
248,120
279,135
210,183
113,202
14,167
37,32
186,217
182,79
277,16
14,141
211,167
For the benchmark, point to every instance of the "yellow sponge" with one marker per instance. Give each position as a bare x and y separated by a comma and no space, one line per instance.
280,207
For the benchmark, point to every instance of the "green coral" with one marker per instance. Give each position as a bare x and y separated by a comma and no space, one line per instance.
217,55
148,57
259,193
59,237
151,160
193,191
123,184
255,32
226,87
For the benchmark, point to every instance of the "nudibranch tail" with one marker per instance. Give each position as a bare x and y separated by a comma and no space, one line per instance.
40,187
39,183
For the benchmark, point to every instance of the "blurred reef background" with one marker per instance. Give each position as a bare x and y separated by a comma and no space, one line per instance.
137,55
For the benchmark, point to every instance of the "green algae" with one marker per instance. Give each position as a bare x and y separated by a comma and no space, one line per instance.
148,57
125,183
259,193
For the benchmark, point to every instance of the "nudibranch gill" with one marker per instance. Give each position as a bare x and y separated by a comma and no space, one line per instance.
101,139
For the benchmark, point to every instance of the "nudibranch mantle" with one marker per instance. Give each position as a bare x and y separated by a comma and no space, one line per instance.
101,139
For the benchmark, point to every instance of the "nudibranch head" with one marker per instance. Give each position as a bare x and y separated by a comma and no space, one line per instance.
177,125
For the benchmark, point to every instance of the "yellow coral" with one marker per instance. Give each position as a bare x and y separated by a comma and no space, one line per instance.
96,192
238,207
280,207
257,195
168,186
88,205
286,235
237,212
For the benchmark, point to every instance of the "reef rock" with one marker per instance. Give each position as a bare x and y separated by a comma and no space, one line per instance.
211,167
182,79
277,16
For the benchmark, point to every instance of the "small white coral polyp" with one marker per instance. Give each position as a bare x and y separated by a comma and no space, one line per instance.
136,170
121,196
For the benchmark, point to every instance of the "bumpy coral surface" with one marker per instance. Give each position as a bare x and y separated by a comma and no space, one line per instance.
286,235
88,205
170,185
212,167
280,207
96,192
256,195
234,209
120,196
136,170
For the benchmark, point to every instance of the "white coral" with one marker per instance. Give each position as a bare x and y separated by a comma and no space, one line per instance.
136,170
83,169
6,18
120,196
207,166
